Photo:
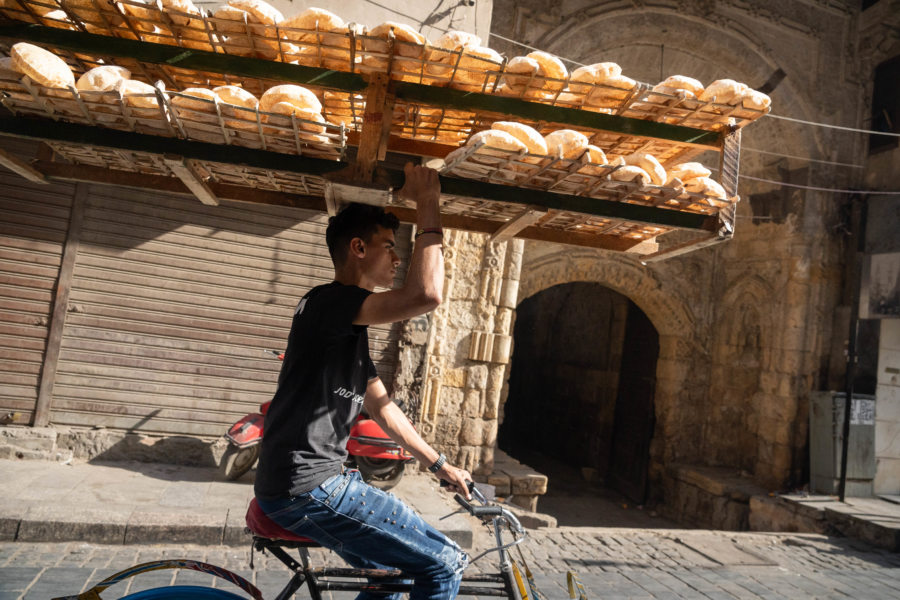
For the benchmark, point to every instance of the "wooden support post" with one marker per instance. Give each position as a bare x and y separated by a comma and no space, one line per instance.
60,308
526,218
376,127
184,171
20,167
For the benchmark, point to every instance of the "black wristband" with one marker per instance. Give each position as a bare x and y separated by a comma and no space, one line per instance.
438,463
436,230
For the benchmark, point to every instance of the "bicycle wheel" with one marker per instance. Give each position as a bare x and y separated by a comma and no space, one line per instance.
189,592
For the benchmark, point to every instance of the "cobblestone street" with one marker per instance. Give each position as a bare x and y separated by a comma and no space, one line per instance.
612,563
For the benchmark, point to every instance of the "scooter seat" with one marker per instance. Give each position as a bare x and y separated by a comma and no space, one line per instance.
262,526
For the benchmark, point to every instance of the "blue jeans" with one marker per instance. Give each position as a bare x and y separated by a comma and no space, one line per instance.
372,529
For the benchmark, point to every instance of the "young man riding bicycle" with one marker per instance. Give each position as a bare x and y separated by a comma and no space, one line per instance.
326,379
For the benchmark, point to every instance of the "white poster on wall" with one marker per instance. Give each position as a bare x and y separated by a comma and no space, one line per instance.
880,294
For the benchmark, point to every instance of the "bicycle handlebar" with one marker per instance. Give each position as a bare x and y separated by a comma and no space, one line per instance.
478,511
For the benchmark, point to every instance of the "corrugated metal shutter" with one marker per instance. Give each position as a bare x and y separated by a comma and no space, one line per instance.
34,219
173,303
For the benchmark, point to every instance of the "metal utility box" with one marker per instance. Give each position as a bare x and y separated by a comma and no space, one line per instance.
826,425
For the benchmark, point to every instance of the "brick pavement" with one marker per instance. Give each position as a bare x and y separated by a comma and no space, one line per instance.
613,564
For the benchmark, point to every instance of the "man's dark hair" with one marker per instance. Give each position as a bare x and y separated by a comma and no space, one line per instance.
355,220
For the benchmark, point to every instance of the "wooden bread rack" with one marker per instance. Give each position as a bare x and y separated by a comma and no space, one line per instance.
382,108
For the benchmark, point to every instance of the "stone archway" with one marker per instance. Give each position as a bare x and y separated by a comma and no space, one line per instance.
675,398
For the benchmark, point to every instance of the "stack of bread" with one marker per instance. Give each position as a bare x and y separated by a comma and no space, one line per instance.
320,38
696,179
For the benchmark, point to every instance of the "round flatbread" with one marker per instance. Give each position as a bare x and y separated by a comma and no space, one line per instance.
206,102
41,66
476,64
679,82
534,141
687,171
102,79
235,95
707,187
568,143
138,94
611,91
316,20
184,7
722,91
300,97
262,12
755,100
412,43
629,173
550,66
493,138
650,165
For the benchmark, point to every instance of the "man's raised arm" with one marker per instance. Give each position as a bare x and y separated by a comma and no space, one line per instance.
422,291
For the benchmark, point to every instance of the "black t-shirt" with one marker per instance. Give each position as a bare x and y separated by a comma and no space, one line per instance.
320,393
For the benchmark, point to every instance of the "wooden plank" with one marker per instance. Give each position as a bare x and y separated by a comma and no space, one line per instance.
173,185
526,218
60,308
20,167
375,128
184,171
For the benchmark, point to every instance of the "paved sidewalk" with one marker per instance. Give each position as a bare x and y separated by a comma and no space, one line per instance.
149,503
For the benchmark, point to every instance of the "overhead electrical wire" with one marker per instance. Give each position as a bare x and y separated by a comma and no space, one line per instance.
815,160
821,189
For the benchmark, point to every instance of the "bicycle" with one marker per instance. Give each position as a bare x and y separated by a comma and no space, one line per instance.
268,536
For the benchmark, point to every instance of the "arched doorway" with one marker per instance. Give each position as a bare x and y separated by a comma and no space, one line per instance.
582,386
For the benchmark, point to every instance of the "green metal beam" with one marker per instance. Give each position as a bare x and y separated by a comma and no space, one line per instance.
184,58
45,129
99,45
416,92
564,202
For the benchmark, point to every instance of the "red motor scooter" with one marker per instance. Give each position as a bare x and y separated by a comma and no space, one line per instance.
379,459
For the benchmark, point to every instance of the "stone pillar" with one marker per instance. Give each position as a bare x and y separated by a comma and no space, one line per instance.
468,349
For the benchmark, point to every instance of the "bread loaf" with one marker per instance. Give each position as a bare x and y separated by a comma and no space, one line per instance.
102,79
206,100
611,91
320,27
412,42
475,67
650,165
231,97
686,87
722,91
591,74
687,171
260,11
534,142
501,140
755,100
41,66
519,74
181,11
310,118
707,187
566,143
300,97
630,173
138,94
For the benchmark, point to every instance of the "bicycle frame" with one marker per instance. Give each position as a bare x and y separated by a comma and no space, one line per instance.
507,583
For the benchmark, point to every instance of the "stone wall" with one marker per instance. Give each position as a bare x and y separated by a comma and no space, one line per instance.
746,328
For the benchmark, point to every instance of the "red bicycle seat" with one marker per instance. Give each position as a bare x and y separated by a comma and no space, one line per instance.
262,526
